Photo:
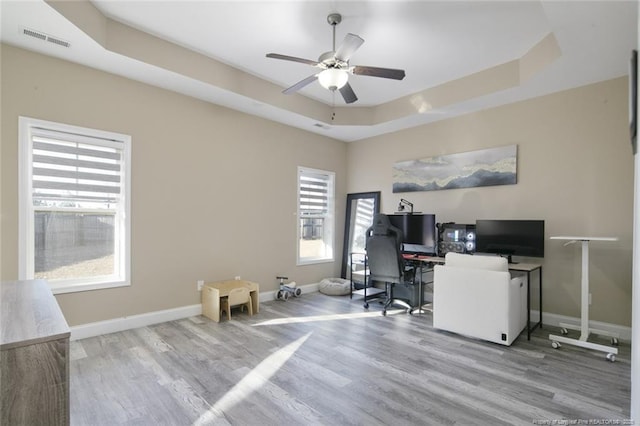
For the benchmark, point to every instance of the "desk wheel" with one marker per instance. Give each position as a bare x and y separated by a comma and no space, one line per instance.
384,312
564,331
366,305
614,341
555,345
611,357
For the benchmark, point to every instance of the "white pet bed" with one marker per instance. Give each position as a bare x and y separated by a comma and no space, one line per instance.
334,286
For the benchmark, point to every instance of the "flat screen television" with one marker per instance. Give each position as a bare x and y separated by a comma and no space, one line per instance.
510,237
419,232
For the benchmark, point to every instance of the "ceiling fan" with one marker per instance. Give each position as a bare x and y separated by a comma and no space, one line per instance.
335,66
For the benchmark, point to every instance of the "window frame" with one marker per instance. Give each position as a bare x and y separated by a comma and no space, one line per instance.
329,224
26,209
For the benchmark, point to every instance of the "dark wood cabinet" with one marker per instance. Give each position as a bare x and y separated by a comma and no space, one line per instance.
34,356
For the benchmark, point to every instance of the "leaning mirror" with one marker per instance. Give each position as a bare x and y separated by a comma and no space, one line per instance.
361,207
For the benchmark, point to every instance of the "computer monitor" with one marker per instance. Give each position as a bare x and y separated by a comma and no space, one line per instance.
419,232
510,237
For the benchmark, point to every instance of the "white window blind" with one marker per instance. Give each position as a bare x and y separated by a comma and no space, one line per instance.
74,206
313,193
72,169
315,215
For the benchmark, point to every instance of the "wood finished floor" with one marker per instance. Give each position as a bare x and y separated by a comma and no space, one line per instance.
322,360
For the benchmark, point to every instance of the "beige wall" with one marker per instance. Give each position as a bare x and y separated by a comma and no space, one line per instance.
575,171
213,190
200,209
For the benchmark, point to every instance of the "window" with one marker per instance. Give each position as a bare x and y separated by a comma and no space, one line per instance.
315,215
74,206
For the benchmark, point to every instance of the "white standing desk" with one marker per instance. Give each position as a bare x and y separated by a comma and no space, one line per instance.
584,309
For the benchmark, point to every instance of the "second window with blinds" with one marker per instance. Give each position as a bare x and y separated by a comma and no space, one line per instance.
316,213
74,206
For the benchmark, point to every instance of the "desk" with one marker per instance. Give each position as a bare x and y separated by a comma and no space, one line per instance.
421,260
213,292
529,268
584,310
520,267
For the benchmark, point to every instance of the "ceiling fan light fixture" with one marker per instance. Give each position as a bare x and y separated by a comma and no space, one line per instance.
335,66
333,78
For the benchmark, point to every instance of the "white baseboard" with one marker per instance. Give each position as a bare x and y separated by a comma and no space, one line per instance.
142,320
135,321
622,331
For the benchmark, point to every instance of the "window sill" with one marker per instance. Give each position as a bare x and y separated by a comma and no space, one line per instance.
62,287
314,262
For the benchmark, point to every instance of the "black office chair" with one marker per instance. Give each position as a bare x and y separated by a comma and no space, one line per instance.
385,261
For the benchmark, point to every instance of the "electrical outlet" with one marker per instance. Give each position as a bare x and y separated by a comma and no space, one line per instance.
237,277
200,283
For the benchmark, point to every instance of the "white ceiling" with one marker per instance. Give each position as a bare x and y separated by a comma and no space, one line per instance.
434,42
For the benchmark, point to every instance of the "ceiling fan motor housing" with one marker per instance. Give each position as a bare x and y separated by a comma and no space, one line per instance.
329,60
334,18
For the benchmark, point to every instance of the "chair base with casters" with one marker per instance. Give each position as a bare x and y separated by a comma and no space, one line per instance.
406,294
391,301
237,297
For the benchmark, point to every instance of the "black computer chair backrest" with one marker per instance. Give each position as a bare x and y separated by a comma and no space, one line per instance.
384,251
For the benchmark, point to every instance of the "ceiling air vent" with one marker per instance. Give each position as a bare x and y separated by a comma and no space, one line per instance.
45,37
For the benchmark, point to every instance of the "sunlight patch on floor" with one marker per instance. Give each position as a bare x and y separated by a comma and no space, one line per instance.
251,382
329,317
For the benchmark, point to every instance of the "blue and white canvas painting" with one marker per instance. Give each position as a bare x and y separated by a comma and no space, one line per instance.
485,167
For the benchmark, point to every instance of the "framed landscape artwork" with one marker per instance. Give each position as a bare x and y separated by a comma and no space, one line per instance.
485,167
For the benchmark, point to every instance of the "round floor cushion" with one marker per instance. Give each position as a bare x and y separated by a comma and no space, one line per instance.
334,286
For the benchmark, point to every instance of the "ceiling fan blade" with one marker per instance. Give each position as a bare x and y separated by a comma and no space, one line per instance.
349,45
379,72
292,58
348,94
299,85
